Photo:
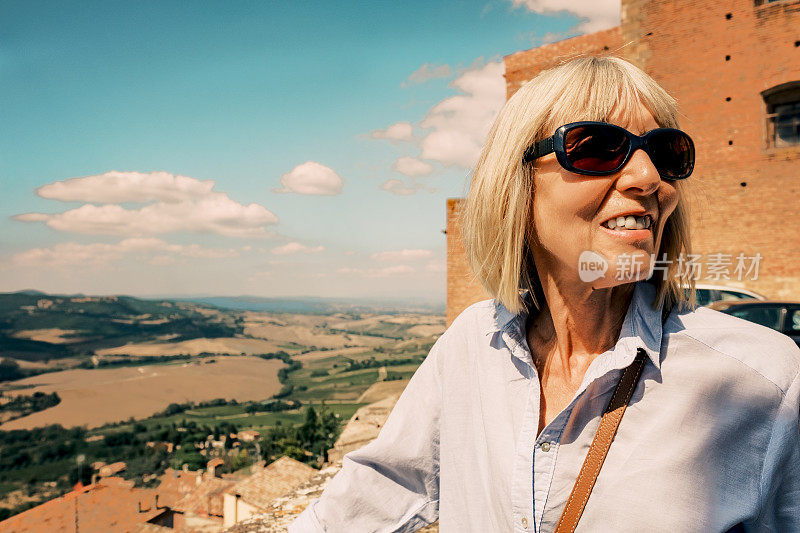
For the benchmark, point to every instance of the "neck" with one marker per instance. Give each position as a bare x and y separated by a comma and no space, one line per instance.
575,324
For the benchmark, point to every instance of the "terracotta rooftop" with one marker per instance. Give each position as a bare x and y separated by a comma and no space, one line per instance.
112,504
152,528
206,499
175,484
280,477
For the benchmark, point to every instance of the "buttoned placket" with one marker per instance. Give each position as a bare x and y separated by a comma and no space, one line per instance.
535,458
547,445
534,467
545,453
522,477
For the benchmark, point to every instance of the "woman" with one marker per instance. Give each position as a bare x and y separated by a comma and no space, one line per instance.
493,429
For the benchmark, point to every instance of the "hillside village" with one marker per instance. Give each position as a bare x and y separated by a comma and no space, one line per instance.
267,498
110,424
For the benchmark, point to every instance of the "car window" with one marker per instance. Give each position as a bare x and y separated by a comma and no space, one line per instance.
734,295
793,320
703,296
766,316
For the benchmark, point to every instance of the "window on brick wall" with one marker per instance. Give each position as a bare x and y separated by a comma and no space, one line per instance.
783,115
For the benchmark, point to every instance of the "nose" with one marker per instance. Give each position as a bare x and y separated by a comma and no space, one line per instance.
639,176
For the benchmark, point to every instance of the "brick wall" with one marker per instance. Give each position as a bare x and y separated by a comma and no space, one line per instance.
715,60
462,287
524,66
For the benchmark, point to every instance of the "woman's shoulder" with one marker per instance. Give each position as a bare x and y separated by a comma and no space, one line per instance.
479,317
763,350
470,329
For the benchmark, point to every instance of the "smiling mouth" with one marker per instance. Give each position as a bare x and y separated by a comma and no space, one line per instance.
627,223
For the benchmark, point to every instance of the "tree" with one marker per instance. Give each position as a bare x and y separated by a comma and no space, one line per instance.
295,452
330,425
311,427
192,459
9,370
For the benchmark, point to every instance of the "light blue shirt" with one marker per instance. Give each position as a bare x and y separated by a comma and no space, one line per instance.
710,437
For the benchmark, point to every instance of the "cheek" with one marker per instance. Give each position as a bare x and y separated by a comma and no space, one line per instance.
568,203
668,201
667,204
564,214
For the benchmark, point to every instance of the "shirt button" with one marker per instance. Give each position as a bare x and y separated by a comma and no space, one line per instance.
545,446
524,522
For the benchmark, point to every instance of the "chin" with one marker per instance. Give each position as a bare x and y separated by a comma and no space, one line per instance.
613,267
610,281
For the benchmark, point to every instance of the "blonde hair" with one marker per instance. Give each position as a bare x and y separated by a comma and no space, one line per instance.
497,212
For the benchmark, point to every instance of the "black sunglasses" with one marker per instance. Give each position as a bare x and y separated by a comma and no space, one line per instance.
600,149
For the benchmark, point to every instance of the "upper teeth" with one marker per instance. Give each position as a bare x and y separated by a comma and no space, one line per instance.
629,222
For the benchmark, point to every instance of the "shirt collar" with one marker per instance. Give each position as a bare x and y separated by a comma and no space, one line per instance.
642,327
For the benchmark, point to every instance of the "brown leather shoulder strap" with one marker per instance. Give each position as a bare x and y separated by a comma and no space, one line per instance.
600,445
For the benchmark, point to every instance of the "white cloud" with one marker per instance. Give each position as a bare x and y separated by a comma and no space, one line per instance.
177,204
459,124
398,187
427,72
553,37
385,272
296,247
260,276
32,217
411,166
311,178
597,14
402,255
436,266
155,251
453,130
215,213
116,187
400,131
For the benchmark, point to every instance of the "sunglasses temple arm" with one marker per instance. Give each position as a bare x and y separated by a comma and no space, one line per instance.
538,150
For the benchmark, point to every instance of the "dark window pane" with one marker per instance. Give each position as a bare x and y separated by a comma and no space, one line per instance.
703,296
787,123
733,295
766,316
793,320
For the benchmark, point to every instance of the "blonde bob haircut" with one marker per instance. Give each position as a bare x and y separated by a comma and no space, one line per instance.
496,217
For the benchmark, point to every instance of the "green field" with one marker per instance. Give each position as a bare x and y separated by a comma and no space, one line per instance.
233,414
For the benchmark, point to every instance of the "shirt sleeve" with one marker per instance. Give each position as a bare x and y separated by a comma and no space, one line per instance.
392,483
781,476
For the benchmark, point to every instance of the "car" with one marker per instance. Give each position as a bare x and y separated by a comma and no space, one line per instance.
780,316
707,294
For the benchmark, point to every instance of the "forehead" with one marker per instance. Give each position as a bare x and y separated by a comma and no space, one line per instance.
636,119
631,114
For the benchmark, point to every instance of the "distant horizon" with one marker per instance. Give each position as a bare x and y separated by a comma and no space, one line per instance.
295,298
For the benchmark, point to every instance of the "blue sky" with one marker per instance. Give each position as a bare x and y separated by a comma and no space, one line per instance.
333,133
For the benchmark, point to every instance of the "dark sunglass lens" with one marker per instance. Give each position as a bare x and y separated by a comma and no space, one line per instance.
596,148
672,153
